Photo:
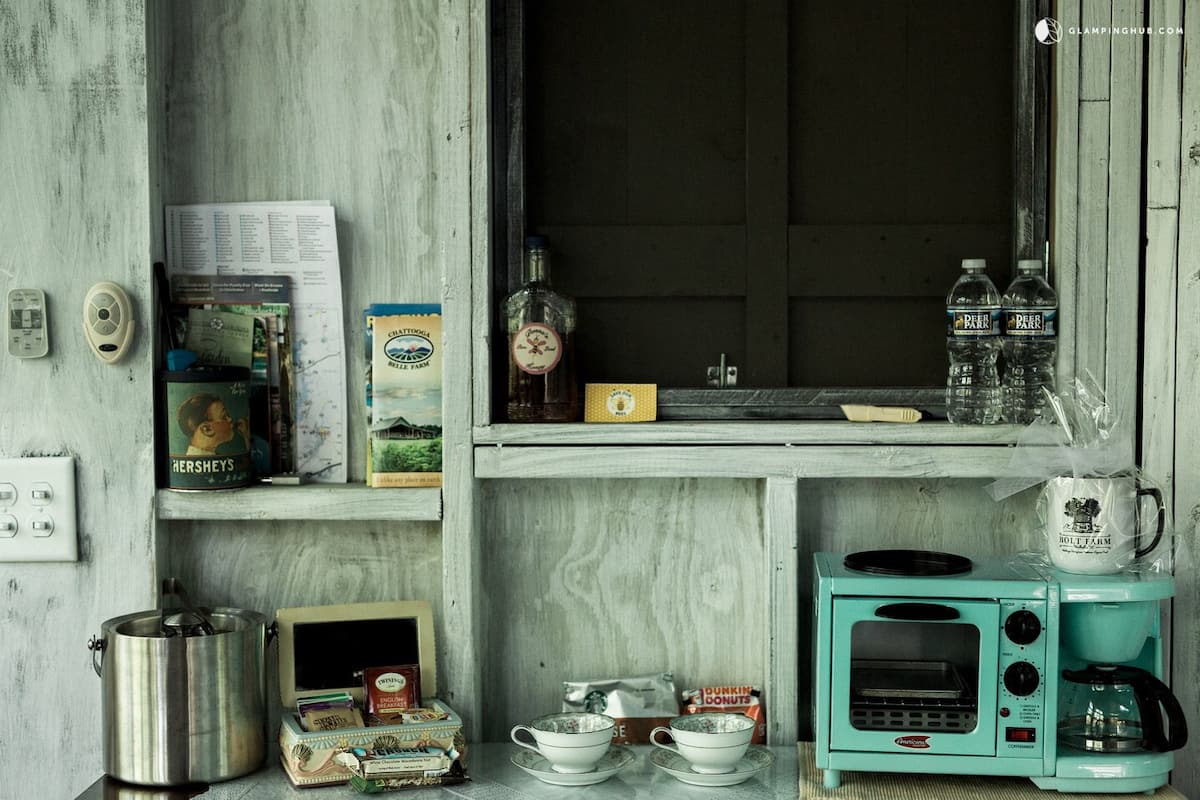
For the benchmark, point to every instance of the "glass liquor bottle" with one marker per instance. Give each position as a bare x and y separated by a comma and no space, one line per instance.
540,324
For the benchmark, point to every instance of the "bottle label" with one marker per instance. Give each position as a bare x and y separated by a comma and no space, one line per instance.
973,321
1036,323
536,348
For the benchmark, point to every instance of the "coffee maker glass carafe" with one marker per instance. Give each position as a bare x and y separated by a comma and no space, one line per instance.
1119,709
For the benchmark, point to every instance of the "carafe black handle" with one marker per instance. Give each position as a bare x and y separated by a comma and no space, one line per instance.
1152,694
1160,511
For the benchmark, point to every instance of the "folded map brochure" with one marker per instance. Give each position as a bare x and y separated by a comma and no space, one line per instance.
221,338
200,301
404,394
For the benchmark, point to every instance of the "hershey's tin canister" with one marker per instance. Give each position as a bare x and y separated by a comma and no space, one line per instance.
207,416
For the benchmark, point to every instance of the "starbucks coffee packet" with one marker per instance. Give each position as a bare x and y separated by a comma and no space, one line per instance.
731,700
638,704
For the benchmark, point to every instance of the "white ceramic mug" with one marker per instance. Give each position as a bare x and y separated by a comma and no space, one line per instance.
712,743
572,741
1094,526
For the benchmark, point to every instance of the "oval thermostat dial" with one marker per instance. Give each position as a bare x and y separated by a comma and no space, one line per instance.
108,321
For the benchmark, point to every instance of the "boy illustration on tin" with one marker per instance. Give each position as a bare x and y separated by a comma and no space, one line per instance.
206,423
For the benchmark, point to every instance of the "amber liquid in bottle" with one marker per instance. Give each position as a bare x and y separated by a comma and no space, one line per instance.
540,324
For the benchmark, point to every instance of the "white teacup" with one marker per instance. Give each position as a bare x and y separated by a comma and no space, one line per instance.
572,741
712,743
1094,526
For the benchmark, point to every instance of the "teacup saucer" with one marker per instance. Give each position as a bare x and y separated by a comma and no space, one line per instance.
755,761
612,762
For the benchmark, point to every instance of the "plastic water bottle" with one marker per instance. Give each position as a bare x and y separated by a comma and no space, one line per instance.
973,344
1030,310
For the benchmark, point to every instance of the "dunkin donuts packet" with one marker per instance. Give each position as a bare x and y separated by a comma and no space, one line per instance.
731,700
638,704
390,692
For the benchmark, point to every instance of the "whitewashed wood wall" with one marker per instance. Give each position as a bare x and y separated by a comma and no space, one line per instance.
73,156
379,106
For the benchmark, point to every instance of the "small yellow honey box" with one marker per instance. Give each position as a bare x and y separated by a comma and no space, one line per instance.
620,402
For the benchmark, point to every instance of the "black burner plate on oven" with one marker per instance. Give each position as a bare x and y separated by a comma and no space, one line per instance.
907,562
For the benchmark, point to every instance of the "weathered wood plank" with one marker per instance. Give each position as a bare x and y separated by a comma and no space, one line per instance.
325,502
825,432
1091,277
486,240
462,32
782,689
750,461
1186,608
1031,126
1163,129
1095,50
74,158
1124,219
1064,187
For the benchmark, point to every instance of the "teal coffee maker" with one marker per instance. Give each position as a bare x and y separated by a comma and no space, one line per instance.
931,662
1118,723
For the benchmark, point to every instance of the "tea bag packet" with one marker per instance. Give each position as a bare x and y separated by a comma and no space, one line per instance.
390,692
329,712
730,699
638,704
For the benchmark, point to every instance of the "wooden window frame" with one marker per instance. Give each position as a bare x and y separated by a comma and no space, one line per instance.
767,197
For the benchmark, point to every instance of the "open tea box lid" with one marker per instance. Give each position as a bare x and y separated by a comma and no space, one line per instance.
321,647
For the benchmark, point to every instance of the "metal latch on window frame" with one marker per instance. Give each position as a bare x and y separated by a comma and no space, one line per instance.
722,376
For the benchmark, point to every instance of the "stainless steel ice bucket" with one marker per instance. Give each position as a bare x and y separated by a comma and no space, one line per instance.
183,695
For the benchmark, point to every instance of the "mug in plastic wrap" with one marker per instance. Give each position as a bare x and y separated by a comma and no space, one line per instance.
1101,525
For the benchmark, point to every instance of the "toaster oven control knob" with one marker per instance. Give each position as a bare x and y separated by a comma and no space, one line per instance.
1021,679
1023,627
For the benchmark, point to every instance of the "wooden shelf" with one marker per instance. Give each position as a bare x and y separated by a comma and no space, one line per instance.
311,502
811,449
756,461
831,432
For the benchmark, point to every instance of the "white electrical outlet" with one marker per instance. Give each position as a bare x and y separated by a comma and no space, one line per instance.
37,509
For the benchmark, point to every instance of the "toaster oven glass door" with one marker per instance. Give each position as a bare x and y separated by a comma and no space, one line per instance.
914,675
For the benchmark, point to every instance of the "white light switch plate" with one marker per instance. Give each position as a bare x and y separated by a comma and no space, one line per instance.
37,509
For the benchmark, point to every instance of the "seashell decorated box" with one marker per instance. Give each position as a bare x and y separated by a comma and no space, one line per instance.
322,649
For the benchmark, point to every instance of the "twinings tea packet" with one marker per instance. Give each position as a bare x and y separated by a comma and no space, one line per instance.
731,700
638,704
390,692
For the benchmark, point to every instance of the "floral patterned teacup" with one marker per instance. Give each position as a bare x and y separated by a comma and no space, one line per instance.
572,741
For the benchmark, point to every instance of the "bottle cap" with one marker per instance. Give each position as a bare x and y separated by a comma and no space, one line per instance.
536,242
974,264
1029,265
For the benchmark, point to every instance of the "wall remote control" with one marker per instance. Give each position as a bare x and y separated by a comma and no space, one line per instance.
28,334
108,321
